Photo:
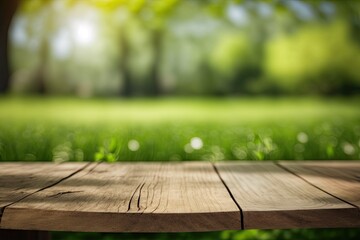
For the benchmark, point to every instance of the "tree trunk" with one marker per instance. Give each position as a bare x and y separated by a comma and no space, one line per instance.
155,74
40,74
7,11
127,90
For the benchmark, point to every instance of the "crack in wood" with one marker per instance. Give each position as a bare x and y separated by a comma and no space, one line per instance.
232,197
43,188
93,168
62,193
153,195
139,198
132,196
147,197
158,205
204,196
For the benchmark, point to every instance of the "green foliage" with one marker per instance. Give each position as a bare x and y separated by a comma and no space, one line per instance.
33,5
157,7
286,234
290,234
232,53
185,47
108,5
262,147
318,58
231,59
107,152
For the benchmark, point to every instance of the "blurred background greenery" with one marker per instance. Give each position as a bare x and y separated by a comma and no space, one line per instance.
151,47
171,80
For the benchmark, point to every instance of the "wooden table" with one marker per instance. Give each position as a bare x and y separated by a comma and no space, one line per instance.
179,196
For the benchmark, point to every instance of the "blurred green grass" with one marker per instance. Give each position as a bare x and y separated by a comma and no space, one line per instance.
65,129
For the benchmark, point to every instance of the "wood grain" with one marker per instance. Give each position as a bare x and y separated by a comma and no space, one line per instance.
339,178
272,198
130,197
17,180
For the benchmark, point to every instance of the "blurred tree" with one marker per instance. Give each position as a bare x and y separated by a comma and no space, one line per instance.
7,11
155,14
225,61
319,59
109,8
348,10
152,13
236,58
125,63
40,76
42,11
232,58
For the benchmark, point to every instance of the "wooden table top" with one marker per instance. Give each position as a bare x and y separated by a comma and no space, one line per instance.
179,196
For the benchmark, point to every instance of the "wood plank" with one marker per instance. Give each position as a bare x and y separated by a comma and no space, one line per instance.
339,178
272,198
18,180
131,197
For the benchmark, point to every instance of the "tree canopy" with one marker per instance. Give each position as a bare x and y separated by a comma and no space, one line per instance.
152,47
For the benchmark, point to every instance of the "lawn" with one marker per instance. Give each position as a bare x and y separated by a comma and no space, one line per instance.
175,129
53,129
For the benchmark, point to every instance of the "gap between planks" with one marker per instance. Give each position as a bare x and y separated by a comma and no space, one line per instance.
223,215
216,171
314,185
287,170
2,209
231,195
305,182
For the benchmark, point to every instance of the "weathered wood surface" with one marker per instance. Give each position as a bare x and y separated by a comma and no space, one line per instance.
175,197
145,197
271,197
18,180
340,179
